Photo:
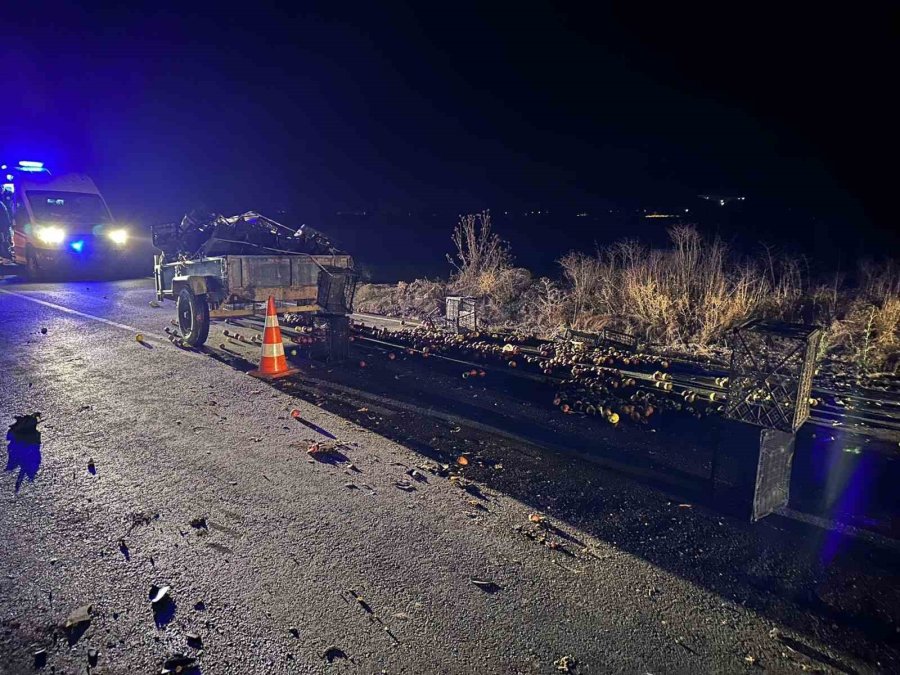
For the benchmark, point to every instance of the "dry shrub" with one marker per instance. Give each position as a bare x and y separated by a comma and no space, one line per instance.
544,307
481,259
690,293
417,300
483,267
685,296
867,332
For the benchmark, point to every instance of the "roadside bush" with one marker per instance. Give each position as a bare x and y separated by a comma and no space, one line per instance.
415,300
690,293
866,334
685,296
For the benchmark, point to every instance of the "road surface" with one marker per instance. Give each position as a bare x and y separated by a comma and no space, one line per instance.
374,558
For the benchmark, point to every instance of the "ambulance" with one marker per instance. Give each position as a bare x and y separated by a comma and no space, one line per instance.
52,224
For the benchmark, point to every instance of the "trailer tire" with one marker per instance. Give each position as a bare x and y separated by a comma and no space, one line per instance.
193,317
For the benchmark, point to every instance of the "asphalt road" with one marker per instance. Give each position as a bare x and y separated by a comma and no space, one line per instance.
620,576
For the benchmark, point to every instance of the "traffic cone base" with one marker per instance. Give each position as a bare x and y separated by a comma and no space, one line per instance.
273,363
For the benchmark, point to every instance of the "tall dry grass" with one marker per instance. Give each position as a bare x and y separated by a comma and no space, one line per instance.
865,328
687,295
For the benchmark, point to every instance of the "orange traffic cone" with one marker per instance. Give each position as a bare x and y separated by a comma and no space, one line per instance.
273,364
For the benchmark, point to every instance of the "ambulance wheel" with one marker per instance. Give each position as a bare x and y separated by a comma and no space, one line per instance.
193,317
32,267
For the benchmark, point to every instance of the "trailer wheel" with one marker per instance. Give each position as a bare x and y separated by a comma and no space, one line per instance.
193,317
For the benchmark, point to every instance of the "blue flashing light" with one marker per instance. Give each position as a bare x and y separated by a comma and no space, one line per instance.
9,176
31,167
77,245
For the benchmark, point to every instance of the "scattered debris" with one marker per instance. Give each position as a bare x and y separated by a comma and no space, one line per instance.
78,616
162,604
138,518
199,523
91,467
194,640
750,660
155,304
93,655
40,658
406,486
566,664
537,518
221,548
294,632
43,331
416,474
25,425
566,567
158,594
200,606
462,460
77,623
685,506
209,234
179,663
485,585
362,603
333,653
351,486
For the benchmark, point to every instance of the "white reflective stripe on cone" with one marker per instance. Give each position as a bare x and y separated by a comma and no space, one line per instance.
270,351
271,321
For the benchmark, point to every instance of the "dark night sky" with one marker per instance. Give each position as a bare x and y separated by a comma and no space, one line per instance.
460,108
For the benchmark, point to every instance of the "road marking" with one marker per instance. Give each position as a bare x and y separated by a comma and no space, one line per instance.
77,313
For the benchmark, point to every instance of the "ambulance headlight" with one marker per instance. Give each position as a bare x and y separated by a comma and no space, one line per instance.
50,234
118,237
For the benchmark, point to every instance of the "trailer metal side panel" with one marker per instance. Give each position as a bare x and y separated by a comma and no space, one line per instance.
253,278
